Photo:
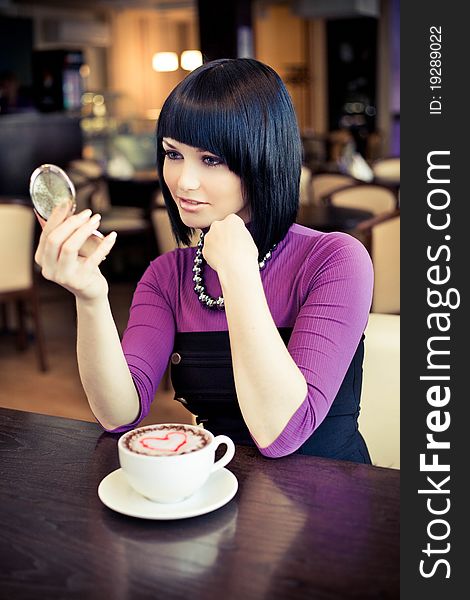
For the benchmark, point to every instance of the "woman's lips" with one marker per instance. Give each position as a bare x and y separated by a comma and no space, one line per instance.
191,205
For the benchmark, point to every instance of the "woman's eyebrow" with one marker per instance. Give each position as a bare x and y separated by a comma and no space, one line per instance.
200,150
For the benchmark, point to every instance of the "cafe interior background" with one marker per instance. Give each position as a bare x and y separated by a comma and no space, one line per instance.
81,85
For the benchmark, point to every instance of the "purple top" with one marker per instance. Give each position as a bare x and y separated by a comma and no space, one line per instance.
320,284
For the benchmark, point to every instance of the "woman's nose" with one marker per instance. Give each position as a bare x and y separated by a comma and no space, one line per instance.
188,179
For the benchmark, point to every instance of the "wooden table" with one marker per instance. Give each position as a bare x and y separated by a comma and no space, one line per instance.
299,527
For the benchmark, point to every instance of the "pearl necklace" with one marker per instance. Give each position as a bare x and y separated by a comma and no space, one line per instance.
198,278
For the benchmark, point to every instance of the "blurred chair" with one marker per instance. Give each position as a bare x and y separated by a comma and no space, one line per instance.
322,184
381,236
374,146
305,185
159,200
87,177
162,227
17,282
92,192
337,142
379,419
376,199
387,169
314,148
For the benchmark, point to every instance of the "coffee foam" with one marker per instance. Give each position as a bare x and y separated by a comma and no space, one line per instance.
165,440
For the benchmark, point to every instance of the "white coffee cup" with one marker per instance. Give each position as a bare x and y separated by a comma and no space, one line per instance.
175,473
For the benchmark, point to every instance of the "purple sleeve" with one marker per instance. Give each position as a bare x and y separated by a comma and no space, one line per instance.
148,339
336,297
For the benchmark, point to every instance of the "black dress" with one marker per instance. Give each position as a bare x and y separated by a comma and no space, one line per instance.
202,377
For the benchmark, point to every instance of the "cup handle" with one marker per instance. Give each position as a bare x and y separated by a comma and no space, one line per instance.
227,457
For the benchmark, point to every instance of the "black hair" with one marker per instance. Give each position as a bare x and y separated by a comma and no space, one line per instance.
240,110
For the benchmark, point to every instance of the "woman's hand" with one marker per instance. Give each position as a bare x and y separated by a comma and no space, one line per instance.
228,245
58,252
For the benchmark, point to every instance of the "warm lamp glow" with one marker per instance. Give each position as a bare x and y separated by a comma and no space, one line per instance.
84,70
191,59
153,113
165,61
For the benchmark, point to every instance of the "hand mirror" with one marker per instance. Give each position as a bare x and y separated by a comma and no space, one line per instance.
50,186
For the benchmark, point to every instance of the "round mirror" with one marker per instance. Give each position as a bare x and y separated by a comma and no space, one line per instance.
50,186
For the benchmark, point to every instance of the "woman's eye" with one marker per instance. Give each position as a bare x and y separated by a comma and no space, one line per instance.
212,161
172,154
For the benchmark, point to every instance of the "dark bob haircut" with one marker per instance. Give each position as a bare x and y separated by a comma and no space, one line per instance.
240,110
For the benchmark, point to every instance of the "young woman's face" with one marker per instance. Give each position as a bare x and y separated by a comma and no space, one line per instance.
203,187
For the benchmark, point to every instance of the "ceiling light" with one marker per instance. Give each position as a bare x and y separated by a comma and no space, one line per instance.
191,59
165,61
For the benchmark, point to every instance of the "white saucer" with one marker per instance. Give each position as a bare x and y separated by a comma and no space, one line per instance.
117,494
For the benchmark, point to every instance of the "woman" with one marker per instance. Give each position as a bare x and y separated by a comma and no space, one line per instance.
264,320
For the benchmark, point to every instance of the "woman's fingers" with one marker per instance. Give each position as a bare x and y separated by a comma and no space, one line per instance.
58,215
102,251
52,238
91,244
64,230
60,250
71,269
75,240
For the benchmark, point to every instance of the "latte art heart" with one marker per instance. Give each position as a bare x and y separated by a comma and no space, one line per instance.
170,443
164,440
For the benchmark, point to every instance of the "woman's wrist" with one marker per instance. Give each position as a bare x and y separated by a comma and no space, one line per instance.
92,303
243,291
235,274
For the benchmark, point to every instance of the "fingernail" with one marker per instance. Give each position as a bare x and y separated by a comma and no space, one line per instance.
96,217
